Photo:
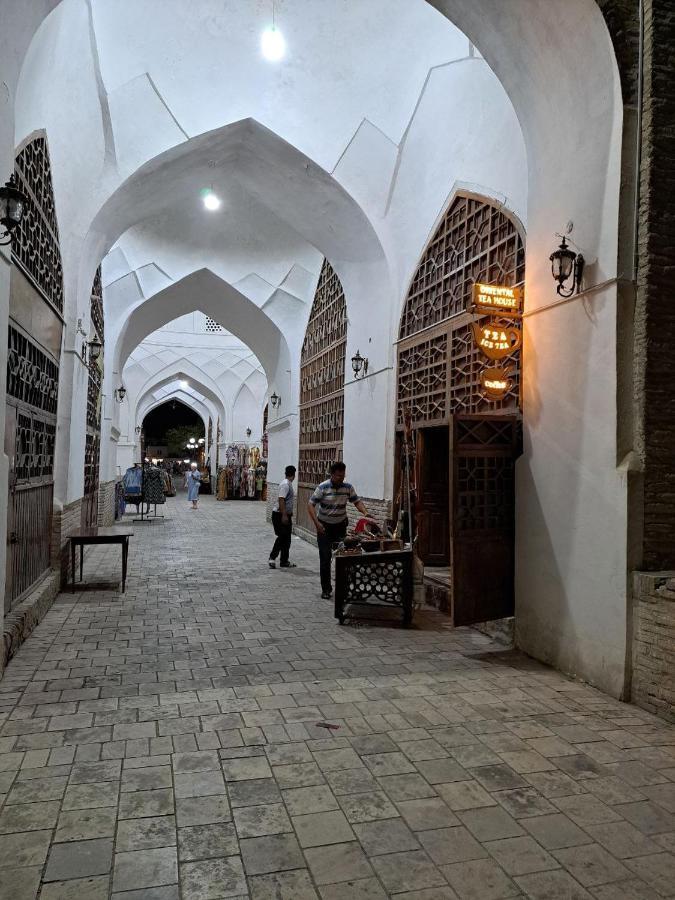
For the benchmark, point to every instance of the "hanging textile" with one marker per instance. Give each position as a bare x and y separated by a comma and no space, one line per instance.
120,503
132,483
153,487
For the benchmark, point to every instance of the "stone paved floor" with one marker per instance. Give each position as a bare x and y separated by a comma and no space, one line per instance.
163,744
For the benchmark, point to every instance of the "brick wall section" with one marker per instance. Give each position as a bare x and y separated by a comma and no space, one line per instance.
106,503
654,644
655,309
64,522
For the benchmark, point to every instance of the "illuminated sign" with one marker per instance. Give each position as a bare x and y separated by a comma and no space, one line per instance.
495,382
496,341
497,298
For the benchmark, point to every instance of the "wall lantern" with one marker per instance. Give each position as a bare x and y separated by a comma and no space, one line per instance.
95,348
275,400
248,432
13,203
359,364
120,393
565,263
137,429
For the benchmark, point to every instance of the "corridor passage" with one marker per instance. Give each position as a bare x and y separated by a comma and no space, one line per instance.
166,744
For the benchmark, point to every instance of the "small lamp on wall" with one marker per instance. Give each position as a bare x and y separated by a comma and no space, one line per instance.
359,365
565,263
13,203
95,347
137,429
248,432
120,393
275,400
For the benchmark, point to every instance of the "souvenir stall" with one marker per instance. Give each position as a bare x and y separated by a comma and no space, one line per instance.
244,475
374,568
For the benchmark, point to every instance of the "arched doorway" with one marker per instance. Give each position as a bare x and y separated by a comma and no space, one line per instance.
466,442
322,382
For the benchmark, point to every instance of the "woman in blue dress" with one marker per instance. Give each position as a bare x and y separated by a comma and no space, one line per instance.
193,479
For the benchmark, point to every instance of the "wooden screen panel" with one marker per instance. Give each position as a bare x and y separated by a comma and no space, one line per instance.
92,445
475,241
322,379
439,364
35,245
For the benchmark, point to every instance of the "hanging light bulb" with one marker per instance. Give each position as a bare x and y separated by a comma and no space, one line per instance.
273,44
211,200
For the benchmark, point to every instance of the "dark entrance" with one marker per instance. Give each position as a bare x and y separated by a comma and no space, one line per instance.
433,501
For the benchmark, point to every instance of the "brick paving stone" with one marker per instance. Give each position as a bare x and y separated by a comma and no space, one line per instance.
78,859
179,721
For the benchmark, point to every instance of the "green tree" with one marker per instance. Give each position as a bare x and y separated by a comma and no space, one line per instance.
177,438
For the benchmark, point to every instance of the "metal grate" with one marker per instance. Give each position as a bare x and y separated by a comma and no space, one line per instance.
35,442
32,376
35,246
439,364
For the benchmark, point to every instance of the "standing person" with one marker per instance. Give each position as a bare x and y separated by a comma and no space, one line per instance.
328,510
282,521
193,479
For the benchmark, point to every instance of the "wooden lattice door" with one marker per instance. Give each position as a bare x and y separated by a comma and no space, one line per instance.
439,384
485,451
92,446
322,380
33,348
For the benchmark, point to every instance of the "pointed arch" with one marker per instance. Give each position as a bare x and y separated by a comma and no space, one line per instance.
439,364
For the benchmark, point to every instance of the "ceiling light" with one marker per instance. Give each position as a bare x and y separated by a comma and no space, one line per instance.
211,201
272,44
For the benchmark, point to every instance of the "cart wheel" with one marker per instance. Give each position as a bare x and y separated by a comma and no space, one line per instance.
342,620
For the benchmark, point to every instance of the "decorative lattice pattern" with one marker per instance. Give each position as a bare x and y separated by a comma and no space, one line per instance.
381,582
94,398
322,378
314,464
96,305
439,364
474,242
35,246
92,452
35,442
467,364
32,376
422,379
484,493
212,326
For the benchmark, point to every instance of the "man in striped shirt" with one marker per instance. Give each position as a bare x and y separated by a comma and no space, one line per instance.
328,510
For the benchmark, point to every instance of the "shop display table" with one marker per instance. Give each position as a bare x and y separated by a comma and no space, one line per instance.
372,580
100,536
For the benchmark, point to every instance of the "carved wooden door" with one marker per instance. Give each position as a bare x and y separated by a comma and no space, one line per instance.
433,520
483,526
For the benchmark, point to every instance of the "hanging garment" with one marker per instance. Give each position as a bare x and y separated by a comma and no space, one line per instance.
132,484
251,482
153,485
